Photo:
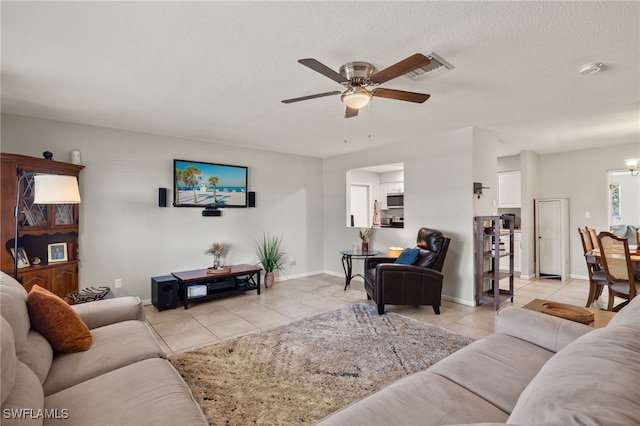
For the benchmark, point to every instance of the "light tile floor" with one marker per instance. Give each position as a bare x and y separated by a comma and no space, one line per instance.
216,320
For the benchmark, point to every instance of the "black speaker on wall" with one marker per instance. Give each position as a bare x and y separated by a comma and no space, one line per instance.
252,199
162,197
164,292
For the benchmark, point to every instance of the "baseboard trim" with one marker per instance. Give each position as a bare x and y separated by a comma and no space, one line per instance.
459,300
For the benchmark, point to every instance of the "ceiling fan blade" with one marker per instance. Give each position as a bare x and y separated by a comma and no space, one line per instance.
400,95
324,70
409,64
350,112
304,98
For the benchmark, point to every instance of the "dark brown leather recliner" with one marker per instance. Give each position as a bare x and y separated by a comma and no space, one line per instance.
417,284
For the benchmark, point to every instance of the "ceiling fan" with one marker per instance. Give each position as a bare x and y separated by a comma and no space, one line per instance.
357,76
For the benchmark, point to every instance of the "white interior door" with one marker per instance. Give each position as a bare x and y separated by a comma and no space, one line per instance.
551,231
360,201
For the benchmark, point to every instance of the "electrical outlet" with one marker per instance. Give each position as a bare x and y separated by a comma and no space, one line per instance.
118,283
292,261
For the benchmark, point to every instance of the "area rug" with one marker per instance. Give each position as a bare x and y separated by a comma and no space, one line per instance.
303,371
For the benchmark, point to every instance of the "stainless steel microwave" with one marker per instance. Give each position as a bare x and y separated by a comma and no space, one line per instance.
395,201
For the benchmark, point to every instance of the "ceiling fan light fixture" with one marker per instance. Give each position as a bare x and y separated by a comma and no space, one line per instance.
356,97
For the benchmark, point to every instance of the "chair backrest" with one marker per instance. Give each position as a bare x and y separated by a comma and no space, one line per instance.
587,244
594,236
614,252
436,246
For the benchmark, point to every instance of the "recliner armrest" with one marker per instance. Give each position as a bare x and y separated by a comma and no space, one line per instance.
109,311
398,267
547,331
372,262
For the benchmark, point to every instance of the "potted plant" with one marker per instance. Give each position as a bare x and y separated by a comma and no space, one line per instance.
270,257
217,250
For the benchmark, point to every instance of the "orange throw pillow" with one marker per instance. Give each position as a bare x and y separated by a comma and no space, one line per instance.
57,321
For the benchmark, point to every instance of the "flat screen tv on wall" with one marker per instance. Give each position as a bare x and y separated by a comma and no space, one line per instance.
198,184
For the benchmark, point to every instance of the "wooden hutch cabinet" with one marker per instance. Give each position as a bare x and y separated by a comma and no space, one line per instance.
39,225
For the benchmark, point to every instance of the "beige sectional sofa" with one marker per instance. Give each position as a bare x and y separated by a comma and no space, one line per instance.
535,369
123,379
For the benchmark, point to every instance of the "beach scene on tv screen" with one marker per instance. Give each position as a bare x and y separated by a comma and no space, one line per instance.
204,184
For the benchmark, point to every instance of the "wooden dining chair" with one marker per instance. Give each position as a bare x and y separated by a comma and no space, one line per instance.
614,252
597,277
594,236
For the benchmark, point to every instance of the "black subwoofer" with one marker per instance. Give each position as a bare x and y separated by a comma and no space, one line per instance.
164,292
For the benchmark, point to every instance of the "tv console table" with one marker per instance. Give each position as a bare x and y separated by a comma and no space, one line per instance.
217,284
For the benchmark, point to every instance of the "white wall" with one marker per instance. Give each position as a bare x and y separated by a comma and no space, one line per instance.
123,232
581,176
438,182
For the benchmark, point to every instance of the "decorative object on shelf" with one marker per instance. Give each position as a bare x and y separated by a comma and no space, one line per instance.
57,252
48,155
217,250
36,260
365,234
23,260
48,189
376,213
75,157
219,270
270,257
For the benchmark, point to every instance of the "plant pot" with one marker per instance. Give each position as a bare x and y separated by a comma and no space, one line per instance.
269,279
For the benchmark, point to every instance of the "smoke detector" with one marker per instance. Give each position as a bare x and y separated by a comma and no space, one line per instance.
591,68
436,66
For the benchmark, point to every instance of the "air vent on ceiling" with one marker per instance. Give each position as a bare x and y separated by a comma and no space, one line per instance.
436,66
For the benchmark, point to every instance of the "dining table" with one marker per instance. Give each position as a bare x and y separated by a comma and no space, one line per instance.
594,257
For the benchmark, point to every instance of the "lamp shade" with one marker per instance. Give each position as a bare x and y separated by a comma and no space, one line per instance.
632,164
56,189
356,97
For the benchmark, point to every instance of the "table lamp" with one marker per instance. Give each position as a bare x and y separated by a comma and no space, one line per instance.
48,189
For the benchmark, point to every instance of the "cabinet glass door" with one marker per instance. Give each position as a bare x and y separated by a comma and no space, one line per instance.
32,214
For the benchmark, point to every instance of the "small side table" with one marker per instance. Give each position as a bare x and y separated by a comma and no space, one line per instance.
347,256
600,318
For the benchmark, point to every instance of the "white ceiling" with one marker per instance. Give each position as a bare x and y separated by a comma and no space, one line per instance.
217,71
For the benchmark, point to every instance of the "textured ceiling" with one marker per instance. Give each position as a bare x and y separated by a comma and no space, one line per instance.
216,71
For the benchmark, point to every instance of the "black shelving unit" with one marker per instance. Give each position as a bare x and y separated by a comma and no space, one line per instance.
488,252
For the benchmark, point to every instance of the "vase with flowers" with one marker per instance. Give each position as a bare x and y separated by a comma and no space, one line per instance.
365,234
217,250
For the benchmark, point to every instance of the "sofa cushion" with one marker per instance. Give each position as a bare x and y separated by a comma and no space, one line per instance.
14,308
630,314
594,380
423,399
25,404
54,318
408,256
114,346
497,355
8,360
37,354
149,392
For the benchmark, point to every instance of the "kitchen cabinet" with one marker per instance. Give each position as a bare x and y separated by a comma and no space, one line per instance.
509,192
